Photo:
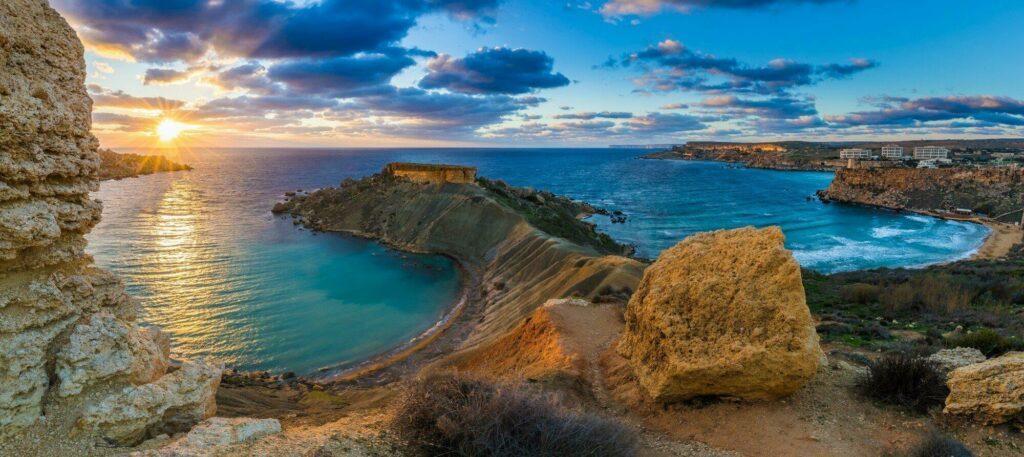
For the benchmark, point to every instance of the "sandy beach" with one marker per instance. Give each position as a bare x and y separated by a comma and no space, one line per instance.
1000,241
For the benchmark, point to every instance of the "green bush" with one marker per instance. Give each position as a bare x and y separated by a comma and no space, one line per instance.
860,293
986,340
455,415
904,380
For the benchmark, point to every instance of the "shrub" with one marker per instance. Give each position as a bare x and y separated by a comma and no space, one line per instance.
940,445
986,340
860,293
905,380
455,415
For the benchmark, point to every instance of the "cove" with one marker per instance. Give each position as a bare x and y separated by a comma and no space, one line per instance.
230,280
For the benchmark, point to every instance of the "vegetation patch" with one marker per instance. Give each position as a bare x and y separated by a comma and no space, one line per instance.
455,415
937,444
904,380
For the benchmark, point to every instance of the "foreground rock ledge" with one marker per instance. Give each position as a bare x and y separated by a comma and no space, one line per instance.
991,392
722,314
75,367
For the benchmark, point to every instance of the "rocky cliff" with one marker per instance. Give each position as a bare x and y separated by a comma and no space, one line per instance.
74,365
488,229
993,191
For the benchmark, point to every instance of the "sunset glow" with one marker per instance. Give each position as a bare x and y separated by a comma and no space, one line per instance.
169,130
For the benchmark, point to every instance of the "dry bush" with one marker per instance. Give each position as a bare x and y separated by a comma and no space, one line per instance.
860,293
905,380
455,415
940,445
939,293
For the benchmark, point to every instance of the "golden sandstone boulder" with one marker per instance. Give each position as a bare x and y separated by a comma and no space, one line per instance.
722,314
991,392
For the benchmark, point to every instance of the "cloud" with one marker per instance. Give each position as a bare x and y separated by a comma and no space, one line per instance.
616,8
185,30
165,76
102,97
122,123
493,71
592,115
777,108
437,110
662,123
895,111
340,76
670,66
674,106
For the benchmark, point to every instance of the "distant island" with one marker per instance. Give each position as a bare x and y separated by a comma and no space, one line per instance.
115,165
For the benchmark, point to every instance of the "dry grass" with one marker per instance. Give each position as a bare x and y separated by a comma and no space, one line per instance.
455,415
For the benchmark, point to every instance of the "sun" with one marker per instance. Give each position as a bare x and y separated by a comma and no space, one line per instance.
170,130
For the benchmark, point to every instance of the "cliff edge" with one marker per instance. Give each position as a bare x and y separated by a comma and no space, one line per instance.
75,367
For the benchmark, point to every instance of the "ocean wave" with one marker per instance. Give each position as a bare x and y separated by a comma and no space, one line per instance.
890,231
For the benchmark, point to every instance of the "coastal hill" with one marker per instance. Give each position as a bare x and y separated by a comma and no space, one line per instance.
115,165
521,246
995,192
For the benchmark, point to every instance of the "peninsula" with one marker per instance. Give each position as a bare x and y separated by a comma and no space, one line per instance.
115,165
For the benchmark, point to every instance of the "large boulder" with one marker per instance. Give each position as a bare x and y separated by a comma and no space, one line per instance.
722,314
991,392
215,435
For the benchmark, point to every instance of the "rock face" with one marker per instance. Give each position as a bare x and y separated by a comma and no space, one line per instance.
722,314
990,190
68,340
991,392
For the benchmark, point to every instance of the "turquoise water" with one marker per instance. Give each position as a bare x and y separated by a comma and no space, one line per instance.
229,280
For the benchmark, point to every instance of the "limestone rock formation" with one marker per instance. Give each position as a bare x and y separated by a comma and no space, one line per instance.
948,360
722,314
68,341
991,392
214,435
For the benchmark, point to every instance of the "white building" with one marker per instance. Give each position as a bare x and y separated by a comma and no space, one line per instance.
855,153
931,153
892,152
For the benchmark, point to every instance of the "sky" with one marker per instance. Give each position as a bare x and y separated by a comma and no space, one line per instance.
546,73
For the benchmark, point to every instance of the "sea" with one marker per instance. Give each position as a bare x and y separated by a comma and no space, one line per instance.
232,282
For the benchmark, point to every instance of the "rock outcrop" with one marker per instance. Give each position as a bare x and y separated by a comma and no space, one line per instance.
216,435
993,191
948,360
722,314
68,340
991,392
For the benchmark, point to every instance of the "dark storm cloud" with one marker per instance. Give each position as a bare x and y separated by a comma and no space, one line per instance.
670,66
493,71
164,31
591,115
896,111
